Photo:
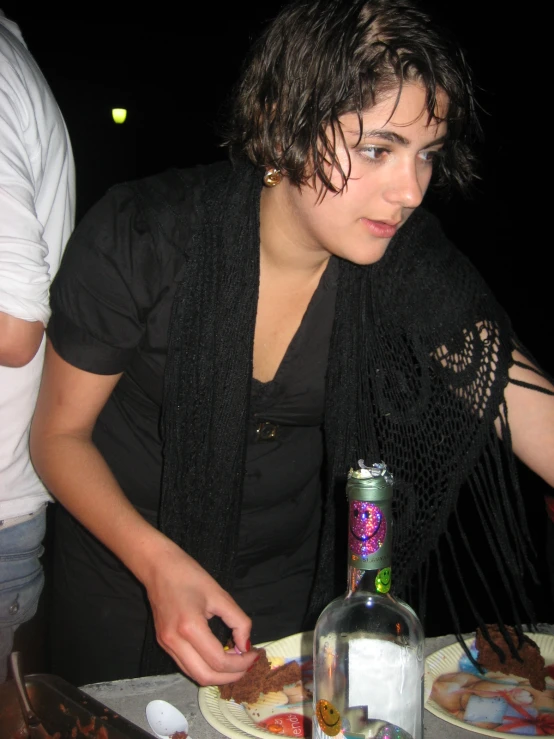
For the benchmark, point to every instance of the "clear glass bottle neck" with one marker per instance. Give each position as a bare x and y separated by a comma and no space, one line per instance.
363,581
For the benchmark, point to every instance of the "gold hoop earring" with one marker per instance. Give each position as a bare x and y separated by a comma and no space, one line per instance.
272,177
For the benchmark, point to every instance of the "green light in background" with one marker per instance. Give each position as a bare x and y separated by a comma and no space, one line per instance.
119,115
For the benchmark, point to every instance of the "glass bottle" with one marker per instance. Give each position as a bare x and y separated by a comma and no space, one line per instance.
368,645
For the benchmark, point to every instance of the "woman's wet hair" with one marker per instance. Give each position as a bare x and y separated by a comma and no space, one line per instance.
320,59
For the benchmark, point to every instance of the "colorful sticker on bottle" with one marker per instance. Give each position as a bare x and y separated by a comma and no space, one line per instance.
367,528
328,717
383,580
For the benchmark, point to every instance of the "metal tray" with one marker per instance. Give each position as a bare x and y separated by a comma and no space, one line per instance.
60,706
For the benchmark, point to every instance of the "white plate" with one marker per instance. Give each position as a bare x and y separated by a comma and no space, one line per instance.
231,718
447,660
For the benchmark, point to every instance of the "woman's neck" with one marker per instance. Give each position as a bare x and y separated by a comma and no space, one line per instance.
284,248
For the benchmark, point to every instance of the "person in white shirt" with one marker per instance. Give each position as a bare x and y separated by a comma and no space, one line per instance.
37,213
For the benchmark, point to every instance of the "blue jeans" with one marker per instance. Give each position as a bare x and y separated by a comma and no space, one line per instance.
21,579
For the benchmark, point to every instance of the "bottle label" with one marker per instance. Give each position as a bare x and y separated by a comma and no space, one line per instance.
384,681
369,541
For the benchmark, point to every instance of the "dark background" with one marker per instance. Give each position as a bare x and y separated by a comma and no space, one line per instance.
173,70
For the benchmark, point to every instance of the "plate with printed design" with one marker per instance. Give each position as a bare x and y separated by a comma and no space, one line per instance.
491,704
284,713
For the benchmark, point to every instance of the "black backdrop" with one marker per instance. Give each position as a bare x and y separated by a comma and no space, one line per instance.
173,70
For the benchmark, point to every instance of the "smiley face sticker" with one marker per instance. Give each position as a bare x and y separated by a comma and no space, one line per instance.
367,528
328,718
383,580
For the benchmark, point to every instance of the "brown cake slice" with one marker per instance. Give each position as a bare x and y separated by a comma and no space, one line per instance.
261,679
247,689
531,666
286,674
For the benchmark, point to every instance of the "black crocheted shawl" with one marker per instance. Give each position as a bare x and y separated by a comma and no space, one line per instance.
418,363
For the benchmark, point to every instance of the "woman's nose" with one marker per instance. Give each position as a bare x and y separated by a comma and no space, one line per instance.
405,187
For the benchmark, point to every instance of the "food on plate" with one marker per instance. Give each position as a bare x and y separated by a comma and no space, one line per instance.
246,690
261,679
529,664
277,678
275,694
508,692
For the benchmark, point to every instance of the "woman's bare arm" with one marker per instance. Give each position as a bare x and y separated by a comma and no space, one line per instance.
531,419
182,594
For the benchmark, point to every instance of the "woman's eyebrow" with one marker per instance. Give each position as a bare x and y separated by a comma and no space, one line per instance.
394,138
378,133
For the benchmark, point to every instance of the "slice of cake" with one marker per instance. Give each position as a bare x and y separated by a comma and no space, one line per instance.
286,674
247,689
261,679
528,664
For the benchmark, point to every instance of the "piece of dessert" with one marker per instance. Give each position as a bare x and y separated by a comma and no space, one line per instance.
261,679
247,689
277,678
528,664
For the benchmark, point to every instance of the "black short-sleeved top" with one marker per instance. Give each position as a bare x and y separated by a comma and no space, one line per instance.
111,304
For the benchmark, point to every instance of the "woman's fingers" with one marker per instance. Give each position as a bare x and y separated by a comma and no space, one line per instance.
241,636
203,658
184,598
237,620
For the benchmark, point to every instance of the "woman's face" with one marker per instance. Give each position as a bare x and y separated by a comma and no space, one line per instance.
391,167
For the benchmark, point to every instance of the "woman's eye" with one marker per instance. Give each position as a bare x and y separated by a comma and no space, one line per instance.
375,153
430,157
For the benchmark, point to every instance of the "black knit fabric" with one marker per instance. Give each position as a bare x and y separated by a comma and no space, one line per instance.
418,364
208,378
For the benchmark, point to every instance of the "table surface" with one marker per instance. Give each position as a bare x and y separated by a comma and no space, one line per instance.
129,699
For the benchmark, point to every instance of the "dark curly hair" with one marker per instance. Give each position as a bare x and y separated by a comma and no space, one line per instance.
320,59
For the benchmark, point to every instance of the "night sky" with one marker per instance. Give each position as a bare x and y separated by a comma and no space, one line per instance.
173,70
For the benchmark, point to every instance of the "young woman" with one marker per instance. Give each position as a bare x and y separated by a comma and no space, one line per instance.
226,342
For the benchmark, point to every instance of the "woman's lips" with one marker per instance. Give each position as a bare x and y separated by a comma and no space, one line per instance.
381,229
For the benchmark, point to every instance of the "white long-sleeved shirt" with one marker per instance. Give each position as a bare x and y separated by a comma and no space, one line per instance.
37,212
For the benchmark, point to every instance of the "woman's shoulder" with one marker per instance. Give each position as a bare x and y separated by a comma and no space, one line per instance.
133,243
141,230
427,279
174,189
423,248
165,205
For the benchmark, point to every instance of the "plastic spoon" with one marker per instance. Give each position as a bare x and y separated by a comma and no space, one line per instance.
165,720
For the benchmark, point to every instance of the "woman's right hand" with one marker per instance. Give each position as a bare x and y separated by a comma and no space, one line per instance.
183,597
